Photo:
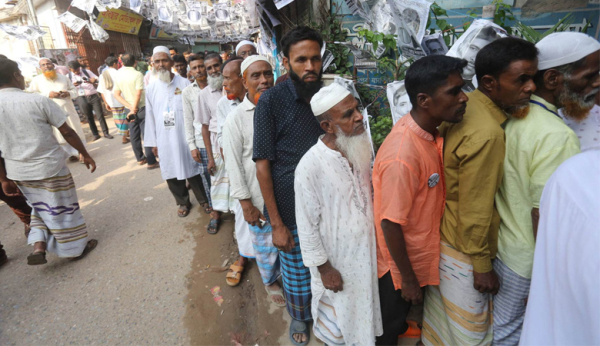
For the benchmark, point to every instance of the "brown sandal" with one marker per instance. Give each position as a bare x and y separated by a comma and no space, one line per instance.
234,275
183,211
91,245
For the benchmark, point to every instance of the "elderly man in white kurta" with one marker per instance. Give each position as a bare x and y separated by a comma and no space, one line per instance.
238,140
334,213
62,91
165,133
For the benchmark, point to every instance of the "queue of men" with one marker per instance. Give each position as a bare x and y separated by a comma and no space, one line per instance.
461,208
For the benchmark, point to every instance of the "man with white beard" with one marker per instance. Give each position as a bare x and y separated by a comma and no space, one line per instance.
165,133
62,91
334,214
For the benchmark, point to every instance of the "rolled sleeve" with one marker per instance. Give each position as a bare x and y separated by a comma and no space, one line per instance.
399,184
264,131
54,114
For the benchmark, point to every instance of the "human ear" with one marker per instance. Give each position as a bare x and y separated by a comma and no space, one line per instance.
488,83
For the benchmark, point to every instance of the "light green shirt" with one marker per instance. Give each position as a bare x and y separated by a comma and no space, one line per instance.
129,81
535,147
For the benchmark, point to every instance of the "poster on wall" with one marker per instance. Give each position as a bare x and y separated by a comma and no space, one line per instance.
72,21
398,98
434,44
23,32
410,18
282,3
62,56
120,21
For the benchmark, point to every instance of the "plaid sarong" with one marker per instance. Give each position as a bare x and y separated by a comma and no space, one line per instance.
120,117
296,281
204,174
56,217
267,255
509,304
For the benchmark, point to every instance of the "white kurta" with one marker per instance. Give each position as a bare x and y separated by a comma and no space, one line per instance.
334,213
564,302
169,134
42,85
108,94
224,108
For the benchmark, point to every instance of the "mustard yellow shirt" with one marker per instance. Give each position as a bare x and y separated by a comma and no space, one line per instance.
473,165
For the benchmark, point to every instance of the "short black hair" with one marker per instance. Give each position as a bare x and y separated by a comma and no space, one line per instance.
81,57
213,55
74,64
128,60
7,70
298,34
53,61
2,56
494,59
111,54
233,58
187,52
111,60
179,59
195,57
173,48
429,73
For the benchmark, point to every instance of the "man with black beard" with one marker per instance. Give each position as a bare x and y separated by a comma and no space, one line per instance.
284,130
536,145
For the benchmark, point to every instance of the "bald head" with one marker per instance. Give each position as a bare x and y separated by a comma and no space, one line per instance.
232,81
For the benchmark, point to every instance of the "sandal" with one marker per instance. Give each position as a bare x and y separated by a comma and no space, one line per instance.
213,226
183,211
413,331
37,258
279,293
234,275
91,245
207,208
299,327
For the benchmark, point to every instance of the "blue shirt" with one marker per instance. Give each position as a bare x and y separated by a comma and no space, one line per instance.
285,128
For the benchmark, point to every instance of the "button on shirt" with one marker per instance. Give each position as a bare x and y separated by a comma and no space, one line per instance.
473,160
225,107
587,130
193,128
535,147
88,88
408,181
129,81
285,128
27,142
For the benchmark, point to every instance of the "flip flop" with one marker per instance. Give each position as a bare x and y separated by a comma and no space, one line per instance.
279,293
298,327
91,245
185,209
234,275
36,258
413,331
213,226
207,208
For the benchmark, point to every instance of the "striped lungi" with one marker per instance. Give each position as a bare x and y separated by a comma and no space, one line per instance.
219,187
326,323
56,217
120,117
204,174
296,281
267,255
454,312
509,305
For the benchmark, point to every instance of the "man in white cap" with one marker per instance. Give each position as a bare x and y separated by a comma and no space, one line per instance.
535,146
165,133
334,214
238,133
245,49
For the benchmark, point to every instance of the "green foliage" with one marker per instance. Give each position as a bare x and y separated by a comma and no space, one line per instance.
503,14
380,128
332,30
448,31
534,36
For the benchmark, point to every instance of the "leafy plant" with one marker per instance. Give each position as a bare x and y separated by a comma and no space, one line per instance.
389,66
380,127
532,35
448,31
503,14
332,31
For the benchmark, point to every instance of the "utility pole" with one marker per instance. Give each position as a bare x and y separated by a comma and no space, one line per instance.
34,20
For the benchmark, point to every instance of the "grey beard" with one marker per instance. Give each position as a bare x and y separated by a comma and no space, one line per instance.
357,149
164,76
215,83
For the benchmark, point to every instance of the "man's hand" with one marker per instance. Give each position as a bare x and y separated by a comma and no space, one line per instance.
331,277
196,155
89,162
252,215
411,291
129,116
54,95
10,188
108,107
155,151
64,94
283,239
212,168
77,83
486,282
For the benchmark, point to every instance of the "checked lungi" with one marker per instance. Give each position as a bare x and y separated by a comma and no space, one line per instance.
119,115
267,255
509,305
454,312
204,174
296,281
56,216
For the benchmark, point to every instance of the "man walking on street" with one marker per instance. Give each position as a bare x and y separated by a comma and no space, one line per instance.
129,90
285,128
34,164
165,133
105,88
89,102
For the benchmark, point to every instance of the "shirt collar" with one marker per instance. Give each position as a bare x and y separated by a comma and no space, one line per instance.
247,105
129,68
292,87
195,84
9,90
549,106
213,90
497,113
412,124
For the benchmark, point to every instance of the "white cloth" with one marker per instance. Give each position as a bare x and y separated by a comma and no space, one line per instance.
251,60
42,85
206,110
238,140
334,214
242,232
561,48
328,97
193,128
224,108
28,145
108,94
588,130
244,43
161,49
564,301
173,150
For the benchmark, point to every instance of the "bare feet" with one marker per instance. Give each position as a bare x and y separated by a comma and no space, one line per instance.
277,299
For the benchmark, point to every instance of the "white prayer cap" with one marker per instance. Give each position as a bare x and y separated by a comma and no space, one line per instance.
252,59
161,49
243,43
328,97
563,48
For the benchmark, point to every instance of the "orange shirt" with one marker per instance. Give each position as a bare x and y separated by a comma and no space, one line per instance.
409,186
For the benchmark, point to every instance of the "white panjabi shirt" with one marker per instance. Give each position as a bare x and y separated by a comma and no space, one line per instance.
587,130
